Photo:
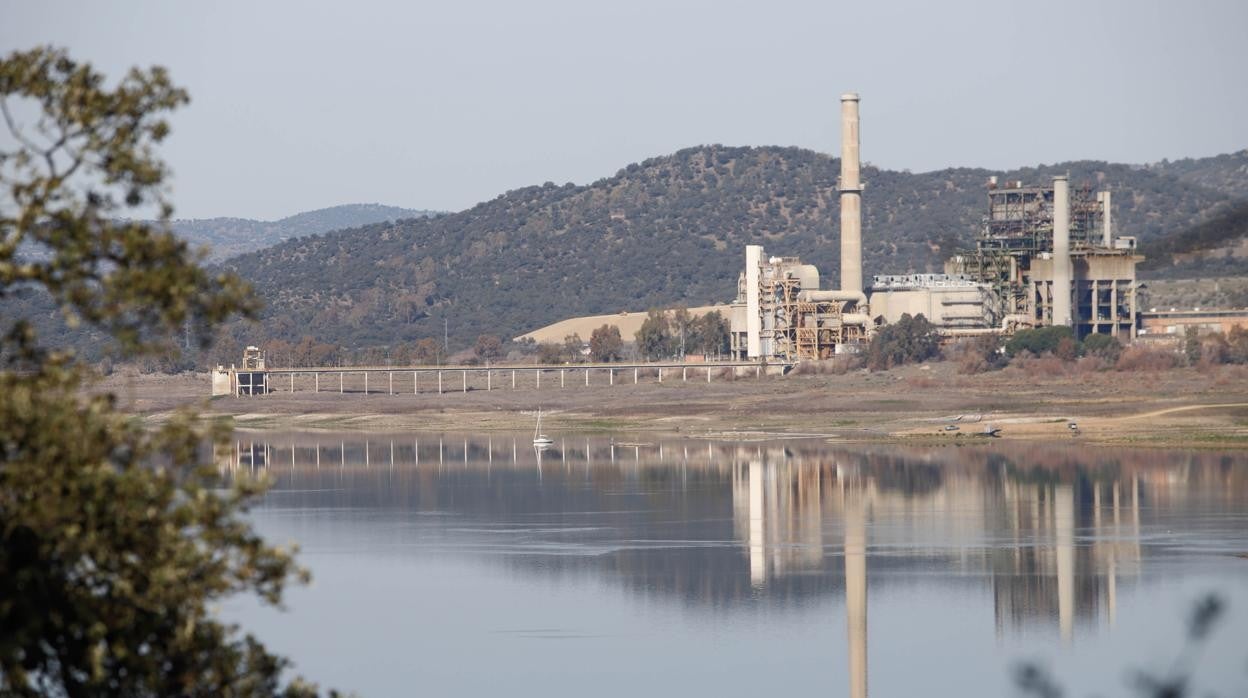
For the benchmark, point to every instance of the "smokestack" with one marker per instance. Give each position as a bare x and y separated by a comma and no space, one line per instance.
851,197
753,311
1061,251
1108,230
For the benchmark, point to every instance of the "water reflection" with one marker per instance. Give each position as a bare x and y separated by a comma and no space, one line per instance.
1052,534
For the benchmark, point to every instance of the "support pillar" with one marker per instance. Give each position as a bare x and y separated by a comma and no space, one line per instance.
513,379
316,382
634,375
561,377
366,382
390,378
539,379
340,382
587,376
708,374
611,376
415,383
464,376
489,380
292,382
439,382
684,374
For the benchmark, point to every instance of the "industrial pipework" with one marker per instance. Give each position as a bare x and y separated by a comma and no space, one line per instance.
850,187
1061,251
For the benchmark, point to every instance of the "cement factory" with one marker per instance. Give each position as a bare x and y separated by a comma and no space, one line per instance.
1044,256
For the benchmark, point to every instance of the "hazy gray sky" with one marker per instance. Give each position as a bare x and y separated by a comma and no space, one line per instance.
301,105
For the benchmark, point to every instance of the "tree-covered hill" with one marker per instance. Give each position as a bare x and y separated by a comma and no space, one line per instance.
226,237
1217,246
1227,173
665,231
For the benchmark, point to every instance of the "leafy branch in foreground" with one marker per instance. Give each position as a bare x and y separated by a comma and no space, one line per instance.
114,541
1174,683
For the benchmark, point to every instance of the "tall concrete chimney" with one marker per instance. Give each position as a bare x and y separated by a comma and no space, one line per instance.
1061,251
753,311
850,187
1106,222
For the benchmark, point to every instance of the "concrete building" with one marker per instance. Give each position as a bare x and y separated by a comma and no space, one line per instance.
1175,323
1049,257
949,301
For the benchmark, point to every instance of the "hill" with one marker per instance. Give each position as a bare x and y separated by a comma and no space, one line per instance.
227,237
1217,245
670,230
1227,173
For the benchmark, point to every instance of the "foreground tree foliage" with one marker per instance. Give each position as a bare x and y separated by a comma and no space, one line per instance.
114,542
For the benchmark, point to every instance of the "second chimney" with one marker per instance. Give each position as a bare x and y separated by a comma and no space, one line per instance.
850,187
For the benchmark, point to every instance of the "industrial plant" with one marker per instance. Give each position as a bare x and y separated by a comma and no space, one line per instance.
1045,255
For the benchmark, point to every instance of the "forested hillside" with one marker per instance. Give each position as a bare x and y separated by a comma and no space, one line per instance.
226,237
664,232
1209,245
670,230
1227,173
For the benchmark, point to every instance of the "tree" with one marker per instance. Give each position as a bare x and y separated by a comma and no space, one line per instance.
980,354
605,344
488,348
681,328
910,339
654,336
1104,346
1040,340
114,541
1192,344
573,347
427,351
550,353
710,334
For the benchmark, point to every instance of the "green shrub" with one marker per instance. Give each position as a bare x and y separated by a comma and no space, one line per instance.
909,340
1040,340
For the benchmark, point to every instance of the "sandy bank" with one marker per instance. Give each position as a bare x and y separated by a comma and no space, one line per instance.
1182,406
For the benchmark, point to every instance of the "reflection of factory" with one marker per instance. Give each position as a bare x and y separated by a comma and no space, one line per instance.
1053,535
789,513
1044,256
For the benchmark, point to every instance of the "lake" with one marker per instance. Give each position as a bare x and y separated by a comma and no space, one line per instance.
451,564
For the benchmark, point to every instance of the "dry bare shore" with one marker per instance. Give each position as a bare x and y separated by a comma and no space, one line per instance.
1177,407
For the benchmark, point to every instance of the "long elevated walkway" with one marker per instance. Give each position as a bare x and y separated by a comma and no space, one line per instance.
414,380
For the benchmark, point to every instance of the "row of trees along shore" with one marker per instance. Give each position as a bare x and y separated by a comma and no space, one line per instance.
664,334
1049,350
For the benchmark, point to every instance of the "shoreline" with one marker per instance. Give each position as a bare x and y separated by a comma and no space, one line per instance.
912,404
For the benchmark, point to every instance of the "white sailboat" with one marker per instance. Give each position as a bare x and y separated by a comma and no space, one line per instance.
540,439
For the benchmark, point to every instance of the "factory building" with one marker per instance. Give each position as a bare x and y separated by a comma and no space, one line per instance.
780,312
1051,258
1044,255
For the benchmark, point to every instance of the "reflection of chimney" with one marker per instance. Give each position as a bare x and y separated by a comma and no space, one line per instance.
758,562
1064,535
851,197
856,590
1061,251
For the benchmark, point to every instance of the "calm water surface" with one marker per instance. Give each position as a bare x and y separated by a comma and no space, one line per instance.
447,564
